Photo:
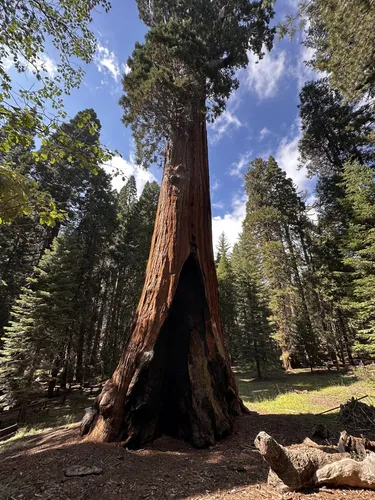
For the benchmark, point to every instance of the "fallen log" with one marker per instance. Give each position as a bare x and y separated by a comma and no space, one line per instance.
348,473
305,466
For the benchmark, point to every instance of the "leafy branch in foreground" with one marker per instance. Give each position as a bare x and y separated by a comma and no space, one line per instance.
27,30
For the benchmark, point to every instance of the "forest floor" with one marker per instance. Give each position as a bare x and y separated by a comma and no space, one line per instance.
33,462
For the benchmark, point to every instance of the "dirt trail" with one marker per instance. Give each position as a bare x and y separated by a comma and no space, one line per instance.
167,469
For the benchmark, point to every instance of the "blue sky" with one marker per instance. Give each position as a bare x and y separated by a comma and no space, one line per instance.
261,117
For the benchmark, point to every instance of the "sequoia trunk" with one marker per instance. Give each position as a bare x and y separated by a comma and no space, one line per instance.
174,375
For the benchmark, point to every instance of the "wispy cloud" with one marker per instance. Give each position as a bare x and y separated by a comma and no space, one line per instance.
124,169
263,133
219,205
46,64
303,72
287,157
231,222
107,62
214,184
263,77
39,64
227,121
238,167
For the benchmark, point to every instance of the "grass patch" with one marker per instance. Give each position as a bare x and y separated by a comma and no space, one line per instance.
57,414
300,392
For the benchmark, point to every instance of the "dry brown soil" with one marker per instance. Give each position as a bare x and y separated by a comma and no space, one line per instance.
167,469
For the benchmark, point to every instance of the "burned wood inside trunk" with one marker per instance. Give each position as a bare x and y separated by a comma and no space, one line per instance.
162,402
174,377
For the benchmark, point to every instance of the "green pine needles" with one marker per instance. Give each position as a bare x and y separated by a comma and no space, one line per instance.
189,58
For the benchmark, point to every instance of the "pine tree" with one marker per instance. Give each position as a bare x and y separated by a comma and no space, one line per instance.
275,217
342,36
333,130
21,244
359,184
128,261
227,299
222,247
253,342
41,320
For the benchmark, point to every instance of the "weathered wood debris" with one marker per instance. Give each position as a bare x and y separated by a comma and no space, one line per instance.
357,415
310,465
77,470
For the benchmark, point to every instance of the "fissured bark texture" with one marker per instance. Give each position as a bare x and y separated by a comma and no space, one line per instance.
174,376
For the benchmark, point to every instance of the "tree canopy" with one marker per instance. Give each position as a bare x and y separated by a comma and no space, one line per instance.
189,58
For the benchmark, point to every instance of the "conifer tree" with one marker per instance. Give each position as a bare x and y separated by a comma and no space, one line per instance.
41,320
359,186
128,260
342,36
274,215
227,299
253,334
222,247
334,132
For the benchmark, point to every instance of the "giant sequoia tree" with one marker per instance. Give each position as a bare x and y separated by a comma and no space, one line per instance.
174,375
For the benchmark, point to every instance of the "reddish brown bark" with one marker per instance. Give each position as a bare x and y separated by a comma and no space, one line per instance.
174,375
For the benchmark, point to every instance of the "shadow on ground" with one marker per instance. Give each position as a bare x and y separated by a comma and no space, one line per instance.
166,469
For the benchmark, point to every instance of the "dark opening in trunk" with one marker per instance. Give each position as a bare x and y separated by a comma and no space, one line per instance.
164,390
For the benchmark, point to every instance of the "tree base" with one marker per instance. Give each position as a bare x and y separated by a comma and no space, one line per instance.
181,388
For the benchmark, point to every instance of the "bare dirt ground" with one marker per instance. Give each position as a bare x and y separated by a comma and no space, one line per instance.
33,468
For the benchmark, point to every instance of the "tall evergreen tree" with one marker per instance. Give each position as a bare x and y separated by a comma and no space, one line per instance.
342,36
252,341
334,132
227,299
127,260
275,217
180,76
359,183
41,320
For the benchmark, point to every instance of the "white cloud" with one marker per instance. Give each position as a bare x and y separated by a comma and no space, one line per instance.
126,169
230,223
106,61
41,63
263,77
219,205
215,184
46,64
263,133
305,73
7,63
125,69
239,167
226,122
311,209
287,157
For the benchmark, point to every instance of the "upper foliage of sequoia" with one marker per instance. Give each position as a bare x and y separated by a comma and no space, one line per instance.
190,55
